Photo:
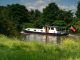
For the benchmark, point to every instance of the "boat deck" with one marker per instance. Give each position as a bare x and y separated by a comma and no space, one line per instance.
43,33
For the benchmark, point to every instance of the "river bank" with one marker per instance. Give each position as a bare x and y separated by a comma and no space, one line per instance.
13,49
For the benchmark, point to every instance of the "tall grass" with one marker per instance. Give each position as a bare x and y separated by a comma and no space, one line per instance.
13,49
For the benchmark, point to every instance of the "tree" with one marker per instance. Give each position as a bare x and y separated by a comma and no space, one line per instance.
31,15
78,10
59,23
7,26
38,18
12,18
50,13
77,23
35,17
19,15
67,16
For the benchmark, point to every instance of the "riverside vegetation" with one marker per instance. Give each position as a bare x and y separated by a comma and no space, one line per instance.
14,49
18,17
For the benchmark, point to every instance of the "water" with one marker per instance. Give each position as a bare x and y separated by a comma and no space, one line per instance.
42,38
48,38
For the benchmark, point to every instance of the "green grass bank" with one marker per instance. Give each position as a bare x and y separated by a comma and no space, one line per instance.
13,49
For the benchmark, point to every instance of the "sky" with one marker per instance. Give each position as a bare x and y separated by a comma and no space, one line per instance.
40,4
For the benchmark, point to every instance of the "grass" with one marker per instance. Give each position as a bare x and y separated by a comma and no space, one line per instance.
13,49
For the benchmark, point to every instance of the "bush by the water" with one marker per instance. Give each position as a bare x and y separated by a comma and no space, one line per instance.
13,49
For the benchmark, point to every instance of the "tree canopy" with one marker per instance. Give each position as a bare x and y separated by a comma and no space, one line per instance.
15,17
53,15
78,10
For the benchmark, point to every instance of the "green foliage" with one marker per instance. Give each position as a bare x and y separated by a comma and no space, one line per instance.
11,19
28,25
6,24
77,24
13,49
35,18
18,17
78,10
59,23
52,14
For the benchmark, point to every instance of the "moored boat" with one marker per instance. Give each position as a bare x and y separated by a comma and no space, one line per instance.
47,30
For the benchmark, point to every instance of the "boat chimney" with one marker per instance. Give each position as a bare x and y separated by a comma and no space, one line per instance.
46,29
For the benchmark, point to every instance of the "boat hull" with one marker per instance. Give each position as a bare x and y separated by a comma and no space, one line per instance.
44,33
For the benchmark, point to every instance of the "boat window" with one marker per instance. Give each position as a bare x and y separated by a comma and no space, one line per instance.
52,28
49,28
61,29
28,29
34,30
41,30
58,29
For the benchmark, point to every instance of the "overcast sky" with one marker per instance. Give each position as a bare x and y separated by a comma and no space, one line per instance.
40,4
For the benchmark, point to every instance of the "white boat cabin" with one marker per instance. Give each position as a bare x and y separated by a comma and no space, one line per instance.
46,29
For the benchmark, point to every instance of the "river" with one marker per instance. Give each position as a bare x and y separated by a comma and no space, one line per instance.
48,38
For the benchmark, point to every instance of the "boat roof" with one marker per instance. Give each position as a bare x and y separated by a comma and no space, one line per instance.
32,28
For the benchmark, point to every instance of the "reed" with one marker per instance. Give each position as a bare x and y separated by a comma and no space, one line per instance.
13,49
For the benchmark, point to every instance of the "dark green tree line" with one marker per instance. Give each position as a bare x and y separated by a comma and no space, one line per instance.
52,15
12,17
77,23
15,17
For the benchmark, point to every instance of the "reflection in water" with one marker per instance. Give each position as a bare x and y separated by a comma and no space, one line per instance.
42,38
48,38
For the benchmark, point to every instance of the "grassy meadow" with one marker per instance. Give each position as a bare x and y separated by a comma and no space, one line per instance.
13,49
